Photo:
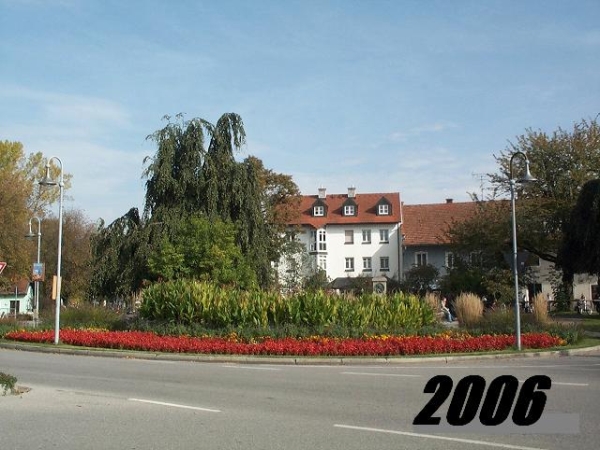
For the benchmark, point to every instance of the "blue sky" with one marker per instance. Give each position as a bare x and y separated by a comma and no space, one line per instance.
408,96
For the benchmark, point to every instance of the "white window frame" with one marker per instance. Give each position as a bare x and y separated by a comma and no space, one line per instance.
319,211
367,264
384,263
421,259
349,264
384,209
349,210
322,240
384,236
348,237
450,260
322,262
366,236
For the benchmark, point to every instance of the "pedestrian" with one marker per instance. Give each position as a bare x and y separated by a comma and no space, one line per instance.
446,310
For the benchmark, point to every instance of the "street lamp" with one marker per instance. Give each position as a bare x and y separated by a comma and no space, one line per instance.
512,181
31,235
48,181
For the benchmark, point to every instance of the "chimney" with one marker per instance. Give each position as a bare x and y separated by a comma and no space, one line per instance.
322,193
351,192
449,200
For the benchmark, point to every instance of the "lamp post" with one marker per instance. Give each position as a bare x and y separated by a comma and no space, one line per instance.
512,181
48,181
31,235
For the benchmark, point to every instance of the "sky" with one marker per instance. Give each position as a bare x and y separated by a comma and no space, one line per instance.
401,96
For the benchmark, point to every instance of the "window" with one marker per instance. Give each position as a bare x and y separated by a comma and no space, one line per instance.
366,236
322,240
318,211
349,210
384,236
475,258
322,262
313,241
349,264
367,264
349,237
449,260
383,210
14,307
384,264
421,259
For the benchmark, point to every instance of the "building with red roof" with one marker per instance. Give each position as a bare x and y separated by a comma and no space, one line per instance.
352,234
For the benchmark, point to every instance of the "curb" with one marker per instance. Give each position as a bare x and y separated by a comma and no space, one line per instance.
286,360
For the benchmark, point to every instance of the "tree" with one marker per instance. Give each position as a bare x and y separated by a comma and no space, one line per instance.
186,181
421,279
20,200
119,256
202,250
580,249
562,164
76,255
185,177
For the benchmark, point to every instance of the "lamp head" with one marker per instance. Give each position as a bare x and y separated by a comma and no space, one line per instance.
30,235
47,180
527,178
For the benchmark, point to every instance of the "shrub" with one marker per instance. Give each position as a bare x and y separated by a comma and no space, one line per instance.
86,315
7,382
190,302
540,308
469,309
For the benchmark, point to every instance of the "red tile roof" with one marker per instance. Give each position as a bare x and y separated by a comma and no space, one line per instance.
427,224
367,210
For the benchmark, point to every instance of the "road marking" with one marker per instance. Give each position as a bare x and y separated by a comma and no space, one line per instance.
442,438
373,374
174,405
235,366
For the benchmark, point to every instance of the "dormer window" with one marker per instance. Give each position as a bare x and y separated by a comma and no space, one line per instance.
319,211
384,207
349,210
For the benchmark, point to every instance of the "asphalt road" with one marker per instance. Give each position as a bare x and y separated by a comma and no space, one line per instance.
84,402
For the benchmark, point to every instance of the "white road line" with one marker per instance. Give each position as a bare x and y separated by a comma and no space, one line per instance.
234,366
174,405
443,438
373,374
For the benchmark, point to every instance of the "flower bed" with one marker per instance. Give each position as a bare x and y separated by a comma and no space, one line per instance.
313,346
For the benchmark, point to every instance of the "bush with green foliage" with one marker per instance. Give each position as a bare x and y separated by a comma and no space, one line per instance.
187,302
7,383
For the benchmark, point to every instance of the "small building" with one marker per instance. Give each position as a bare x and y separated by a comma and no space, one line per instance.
424,239
16,299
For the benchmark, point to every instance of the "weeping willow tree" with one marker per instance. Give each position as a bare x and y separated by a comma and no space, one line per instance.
187,179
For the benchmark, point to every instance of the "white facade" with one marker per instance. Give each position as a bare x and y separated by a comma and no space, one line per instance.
354,250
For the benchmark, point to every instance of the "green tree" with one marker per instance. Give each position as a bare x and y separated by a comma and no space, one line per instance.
202,250
76,255
421,279
562,163
580,249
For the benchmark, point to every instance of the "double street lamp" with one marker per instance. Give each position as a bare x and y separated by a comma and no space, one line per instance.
31,235
48,181
527,178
